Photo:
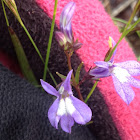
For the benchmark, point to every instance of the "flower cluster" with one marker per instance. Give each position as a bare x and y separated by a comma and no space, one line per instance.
67,108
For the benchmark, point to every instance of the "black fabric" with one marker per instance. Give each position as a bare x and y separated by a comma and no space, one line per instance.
22,94
23,112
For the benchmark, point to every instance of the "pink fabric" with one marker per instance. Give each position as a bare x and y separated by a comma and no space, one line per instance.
93,26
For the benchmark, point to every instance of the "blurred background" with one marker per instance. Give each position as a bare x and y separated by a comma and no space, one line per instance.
120,11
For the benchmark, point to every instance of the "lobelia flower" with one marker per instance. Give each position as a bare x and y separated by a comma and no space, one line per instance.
122,75
66,108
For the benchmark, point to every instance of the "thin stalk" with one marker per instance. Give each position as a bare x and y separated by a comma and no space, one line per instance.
73,79
37,50
132,15
119,20
7,22
91,91
52,77
50,41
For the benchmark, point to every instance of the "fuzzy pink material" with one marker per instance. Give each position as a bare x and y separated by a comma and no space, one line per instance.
93,26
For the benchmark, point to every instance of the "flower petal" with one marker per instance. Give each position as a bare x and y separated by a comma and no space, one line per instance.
66,84
133,67
102,64
83,113
65,20
52,114
99,72
48,88
129,64
67,30
134,82
124,90
61,108
113,43
66,122
66,15
121,74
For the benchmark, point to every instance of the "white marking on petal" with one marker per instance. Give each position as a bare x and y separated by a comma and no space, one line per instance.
121,74
61,108
69,106
110,63
61,90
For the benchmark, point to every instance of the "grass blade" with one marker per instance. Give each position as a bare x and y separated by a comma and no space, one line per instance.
23,62
50,41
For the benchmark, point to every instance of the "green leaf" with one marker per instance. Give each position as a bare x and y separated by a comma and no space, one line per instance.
119,20
61,75
89,123
78,72
23,62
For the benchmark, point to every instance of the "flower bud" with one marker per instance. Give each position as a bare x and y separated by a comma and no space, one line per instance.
12,6
77,45
60,38
65,21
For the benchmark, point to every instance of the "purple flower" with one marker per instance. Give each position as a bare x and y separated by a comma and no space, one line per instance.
66,108
65,21
122,76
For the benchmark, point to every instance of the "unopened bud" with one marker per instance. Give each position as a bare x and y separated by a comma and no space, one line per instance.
12,6
60,37
77,45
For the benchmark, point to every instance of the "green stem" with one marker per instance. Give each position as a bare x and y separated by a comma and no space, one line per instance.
50,41
73,78
7,22
91,91
37,50
119,20
132,16
52,77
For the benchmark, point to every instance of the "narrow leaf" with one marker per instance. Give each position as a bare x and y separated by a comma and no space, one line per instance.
78,72
23,62
61,75
50,41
